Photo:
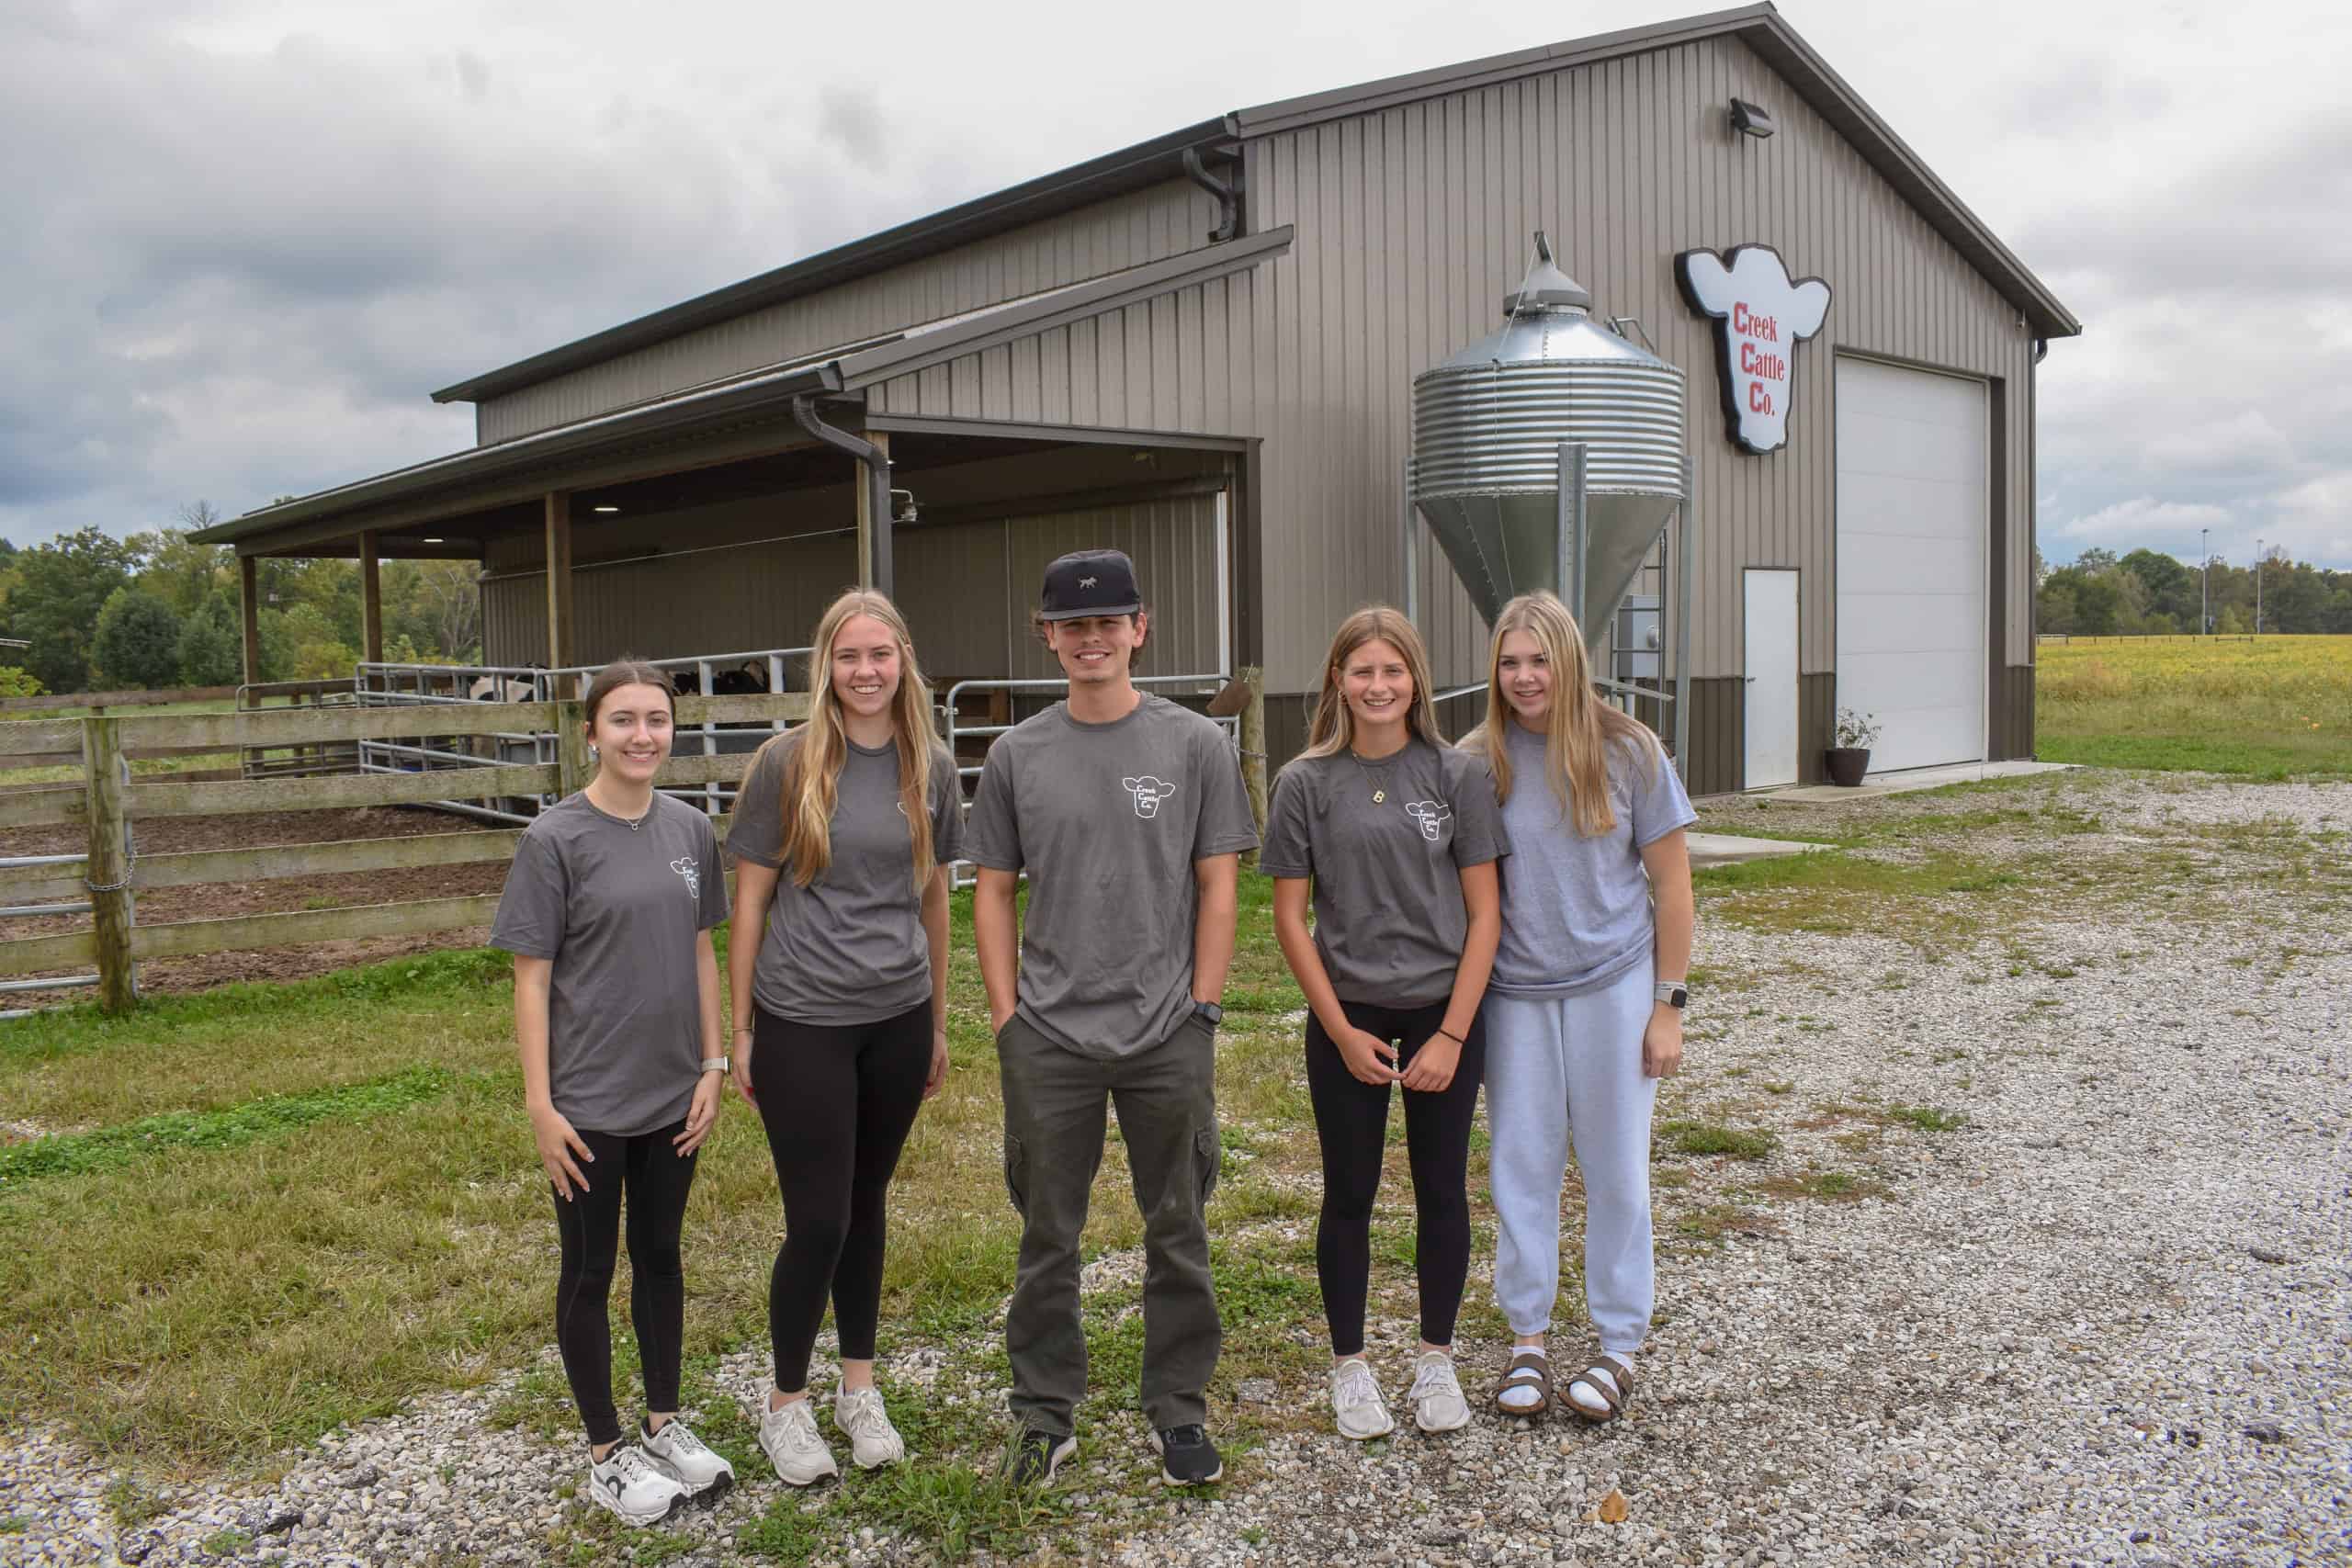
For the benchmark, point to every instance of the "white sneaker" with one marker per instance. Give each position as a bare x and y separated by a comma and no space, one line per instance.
1438,1404
678,1454
627,1483
788,1436
1356,1400
873,1441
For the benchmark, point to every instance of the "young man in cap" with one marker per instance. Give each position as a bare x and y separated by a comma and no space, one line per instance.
1128,814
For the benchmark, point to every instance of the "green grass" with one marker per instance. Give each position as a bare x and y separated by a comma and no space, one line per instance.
1705,1138
2274,708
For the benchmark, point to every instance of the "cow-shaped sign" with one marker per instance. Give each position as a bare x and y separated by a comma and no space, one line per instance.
1760,317
1429,814
1149,793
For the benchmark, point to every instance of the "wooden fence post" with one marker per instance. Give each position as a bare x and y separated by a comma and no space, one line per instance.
572,772
108,872
1252,737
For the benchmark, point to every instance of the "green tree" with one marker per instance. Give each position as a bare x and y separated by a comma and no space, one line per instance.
137,643
60,587
14,682
2171,587
181,574
211,647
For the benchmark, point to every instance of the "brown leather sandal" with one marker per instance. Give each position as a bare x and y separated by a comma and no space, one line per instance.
1616,1398
1529,1369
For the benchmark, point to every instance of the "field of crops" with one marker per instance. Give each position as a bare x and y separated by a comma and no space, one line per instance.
2271,707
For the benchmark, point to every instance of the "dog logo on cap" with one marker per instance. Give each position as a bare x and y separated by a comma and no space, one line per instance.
1429,814
1149,793
1088,582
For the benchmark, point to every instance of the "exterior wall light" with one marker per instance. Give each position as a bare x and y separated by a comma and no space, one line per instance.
603,509
1751,119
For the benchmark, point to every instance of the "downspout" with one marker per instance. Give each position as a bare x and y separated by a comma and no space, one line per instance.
1228,196
876,464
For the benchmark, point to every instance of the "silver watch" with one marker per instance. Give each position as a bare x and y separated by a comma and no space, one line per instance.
717,1063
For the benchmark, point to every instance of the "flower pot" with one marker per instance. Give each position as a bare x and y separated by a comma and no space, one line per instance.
1847,764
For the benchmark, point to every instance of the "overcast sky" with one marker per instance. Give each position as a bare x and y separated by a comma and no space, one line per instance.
246,238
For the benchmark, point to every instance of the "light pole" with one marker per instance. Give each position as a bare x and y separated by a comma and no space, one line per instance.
2257,588
2204,574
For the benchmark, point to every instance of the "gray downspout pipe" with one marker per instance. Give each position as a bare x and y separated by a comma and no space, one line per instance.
1229,198
878,482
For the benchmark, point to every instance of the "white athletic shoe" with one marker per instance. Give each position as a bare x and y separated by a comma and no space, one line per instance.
873,1441
1438,1404
627,1482
685,1459
1355,1398
789,1437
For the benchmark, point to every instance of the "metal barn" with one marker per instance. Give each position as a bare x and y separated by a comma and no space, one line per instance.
1202,349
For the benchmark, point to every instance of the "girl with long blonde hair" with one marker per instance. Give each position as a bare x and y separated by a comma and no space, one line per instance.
842,837
1398,836
1584,1014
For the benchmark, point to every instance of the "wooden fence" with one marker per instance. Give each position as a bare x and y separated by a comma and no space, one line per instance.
106,800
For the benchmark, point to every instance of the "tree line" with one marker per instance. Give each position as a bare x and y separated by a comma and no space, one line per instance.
2148,594
156,610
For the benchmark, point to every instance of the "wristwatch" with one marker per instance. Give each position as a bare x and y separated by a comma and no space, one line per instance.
715,1064
1208,1013
1673,993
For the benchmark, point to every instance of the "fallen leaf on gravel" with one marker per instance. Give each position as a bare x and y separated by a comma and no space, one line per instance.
1612,1508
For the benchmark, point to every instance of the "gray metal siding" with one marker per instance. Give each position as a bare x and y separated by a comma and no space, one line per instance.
1413,221
1128,230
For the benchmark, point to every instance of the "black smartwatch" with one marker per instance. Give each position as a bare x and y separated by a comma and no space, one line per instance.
1208,1013
1673,993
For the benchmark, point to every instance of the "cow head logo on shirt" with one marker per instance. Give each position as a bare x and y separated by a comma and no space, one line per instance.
1429,814
685,866
1149,793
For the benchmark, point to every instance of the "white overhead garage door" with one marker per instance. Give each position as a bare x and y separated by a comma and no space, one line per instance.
1912,527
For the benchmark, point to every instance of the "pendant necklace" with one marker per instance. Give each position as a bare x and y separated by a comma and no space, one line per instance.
1379,780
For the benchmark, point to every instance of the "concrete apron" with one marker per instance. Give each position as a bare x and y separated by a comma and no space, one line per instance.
1910,779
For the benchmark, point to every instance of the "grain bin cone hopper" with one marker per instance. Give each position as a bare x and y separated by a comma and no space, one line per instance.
1488,427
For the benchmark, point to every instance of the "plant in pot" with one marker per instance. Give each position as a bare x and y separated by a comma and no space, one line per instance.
1850,758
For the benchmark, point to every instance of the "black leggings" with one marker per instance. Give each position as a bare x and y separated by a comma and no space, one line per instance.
1352,1123
656,1179
838,1101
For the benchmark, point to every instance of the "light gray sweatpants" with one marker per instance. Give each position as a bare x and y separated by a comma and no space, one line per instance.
1565,1068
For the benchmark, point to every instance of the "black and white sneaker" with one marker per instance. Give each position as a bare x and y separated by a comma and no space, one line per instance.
1034,1456
1187,1458
625,1481
677,1453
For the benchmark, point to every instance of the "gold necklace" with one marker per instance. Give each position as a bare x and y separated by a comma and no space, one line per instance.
1380,784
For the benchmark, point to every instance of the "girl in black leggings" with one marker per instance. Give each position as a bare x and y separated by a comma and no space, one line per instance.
1399,835
842,839
609,910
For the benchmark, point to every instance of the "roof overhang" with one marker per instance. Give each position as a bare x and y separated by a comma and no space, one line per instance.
746,414
1115,174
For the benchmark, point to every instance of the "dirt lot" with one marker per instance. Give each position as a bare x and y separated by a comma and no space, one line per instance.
168,904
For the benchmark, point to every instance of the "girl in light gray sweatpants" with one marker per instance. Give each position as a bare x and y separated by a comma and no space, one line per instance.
1583,1014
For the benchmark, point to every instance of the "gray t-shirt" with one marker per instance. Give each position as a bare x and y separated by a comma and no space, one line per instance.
1389,921
1107,820
618,908
1577,910
849,947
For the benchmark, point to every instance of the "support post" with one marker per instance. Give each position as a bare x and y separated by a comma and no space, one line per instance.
249,602
371,600
559,554
1569,564
571,766
1252,737
104,780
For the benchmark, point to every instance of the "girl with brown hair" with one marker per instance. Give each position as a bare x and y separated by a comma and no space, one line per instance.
1585,1012
609,910
842,840
1398,836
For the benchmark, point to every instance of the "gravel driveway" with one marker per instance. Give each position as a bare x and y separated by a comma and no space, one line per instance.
2050,1260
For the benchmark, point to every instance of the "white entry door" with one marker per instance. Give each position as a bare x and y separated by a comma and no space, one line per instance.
1771,709
1913,469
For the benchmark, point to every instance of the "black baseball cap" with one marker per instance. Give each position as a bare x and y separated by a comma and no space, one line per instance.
1089,583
